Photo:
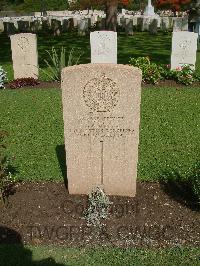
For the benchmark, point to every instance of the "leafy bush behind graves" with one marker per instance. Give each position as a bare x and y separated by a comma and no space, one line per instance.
153,73
184,75
3,77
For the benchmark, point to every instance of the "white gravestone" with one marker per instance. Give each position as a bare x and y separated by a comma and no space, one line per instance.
184,48
24,55
103,47
101,111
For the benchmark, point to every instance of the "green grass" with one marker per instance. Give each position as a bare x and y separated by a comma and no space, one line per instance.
46,256
34,122
169,132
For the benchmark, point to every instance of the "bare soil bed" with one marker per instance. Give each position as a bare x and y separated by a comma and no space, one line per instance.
44,213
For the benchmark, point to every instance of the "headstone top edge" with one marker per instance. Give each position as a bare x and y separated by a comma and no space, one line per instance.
103,31
22,34
99,65
184,32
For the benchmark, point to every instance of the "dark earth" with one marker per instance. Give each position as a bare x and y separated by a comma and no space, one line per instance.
44,213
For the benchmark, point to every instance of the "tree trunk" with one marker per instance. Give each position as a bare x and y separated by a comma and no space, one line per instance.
111,15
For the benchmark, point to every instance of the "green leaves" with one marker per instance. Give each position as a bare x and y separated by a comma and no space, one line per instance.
98,207
150,71
56,63
153,73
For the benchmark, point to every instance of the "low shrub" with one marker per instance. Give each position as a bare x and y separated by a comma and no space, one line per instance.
98,207
184,75
23,82
153,73
3,77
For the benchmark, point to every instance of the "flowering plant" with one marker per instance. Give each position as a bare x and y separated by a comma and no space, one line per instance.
3,77
23,82
153,73
182,74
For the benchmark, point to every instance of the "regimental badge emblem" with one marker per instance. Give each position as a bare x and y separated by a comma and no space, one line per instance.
101,94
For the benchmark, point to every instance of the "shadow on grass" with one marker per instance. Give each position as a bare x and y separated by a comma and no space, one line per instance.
185,190
13,253
61,155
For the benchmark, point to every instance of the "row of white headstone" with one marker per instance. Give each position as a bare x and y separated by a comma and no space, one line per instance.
103,50
12,25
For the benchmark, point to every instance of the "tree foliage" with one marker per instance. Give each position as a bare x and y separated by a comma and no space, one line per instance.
33,5
98,4
174,5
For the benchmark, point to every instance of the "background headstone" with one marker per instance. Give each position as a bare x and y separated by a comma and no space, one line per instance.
165,24
177,24
23,25
1,26
185,23
56,27
153,27
184,48
24,55
83,27
101,111
103,47
129,26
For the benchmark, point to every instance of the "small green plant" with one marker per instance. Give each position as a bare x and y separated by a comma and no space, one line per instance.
3,77
151,72
98,207
56,63
6,179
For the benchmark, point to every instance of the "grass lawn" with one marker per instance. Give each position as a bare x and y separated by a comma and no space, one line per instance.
169,133
58,256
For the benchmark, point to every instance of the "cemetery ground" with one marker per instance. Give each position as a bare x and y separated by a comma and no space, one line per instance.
161,222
